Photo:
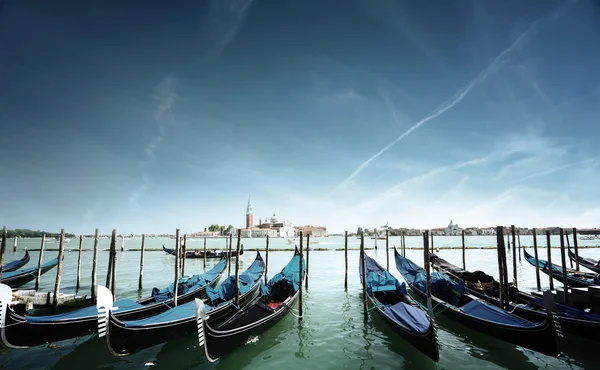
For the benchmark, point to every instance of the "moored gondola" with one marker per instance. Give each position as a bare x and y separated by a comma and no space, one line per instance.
19,331
262,313
11,266
588,263
391,300
572,320
209,253
127,337
477,314
17,278
575,279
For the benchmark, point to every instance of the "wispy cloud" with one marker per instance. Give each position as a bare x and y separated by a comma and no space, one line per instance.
458,96
226,18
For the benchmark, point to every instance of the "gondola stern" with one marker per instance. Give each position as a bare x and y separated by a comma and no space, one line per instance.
552,312
104,304
201,318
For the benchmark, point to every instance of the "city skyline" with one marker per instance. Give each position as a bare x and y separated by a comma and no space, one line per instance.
373,112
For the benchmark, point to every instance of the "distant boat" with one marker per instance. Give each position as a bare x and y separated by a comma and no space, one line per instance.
66,240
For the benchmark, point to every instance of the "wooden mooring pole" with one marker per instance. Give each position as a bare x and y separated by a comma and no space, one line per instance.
463,250
431,242
346,261
122,243
427,266
537,267
2,250
140,280
205,252
78,284
403,244
501,266
564,268
266,258
387,249
363,262
183,254
94,266
39,269
113,284
549,262
300,282
568,247
229,256
110,260
576,248
307,264
176,283
61,249
15,244
515,252
237,271
519,242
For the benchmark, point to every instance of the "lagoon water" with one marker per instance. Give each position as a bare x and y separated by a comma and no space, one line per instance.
333,334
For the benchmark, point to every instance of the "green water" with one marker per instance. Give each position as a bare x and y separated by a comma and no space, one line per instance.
333,333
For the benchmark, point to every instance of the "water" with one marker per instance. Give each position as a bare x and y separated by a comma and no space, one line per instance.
332,335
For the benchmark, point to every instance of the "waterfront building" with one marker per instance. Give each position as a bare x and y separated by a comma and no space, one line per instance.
452,229
274,228
315,231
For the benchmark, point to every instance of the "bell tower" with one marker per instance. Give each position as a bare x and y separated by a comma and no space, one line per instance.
249,220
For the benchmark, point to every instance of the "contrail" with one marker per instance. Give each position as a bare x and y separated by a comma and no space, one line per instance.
457,97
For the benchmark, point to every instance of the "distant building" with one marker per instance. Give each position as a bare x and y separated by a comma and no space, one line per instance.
273,228
205,234
316,231
452,229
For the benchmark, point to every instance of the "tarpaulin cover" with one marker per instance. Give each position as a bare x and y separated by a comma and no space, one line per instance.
248,278
378,279
409,316
289,274
486,311
441,285
185,311
122,304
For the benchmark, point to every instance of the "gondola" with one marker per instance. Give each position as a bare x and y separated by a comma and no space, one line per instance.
575,279
588,263
275,300
11,266
209,253
391,300
19,331
572,320
16,278
477,314
127,337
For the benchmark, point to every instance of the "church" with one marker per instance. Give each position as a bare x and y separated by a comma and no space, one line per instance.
273,227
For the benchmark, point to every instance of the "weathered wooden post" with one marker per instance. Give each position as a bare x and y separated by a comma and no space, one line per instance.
404,244
564,268
114,264
77,285
266,258
519,242
205,252
576,249
431,242
237,272
376,235
176,283
2,250
110,259
122,243
515,252
387,249
61,249
15,244
229,257
300,282
183,254
142,263
507,239
363,262
499,250
94,266
39,269
307,264
427,266
549,263
346,260
537,268
463,250
568,247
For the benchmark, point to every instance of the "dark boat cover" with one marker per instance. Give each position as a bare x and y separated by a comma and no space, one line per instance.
16,264
186,284
225,291
122,304
29,270
410,316
290,274
486,311
440,284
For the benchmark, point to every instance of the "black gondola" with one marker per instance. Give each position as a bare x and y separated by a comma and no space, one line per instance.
399,309
19,331
576,279
572,320
127,337
16,278
261,314
477,314
588,263
209,253
11,266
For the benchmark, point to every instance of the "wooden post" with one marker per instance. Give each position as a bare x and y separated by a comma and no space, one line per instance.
183,254
463,250
537,268
307,264
568,247
266,258
363,261
110,260
61,249
78,285
576,249
564,268
376,235
142,263
205,252
2,250
39,269
229,256
94,266
237,272
431,241
519,242
515,252
122,243
549,262
499,250
176,283
113,284
15,244
427,266
300,282
403,244
387,249
507,240
346,260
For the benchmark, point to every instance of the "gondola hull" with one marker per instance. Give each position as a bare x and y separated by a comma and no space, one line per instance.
15,265
193,254
17,278
588,263
575,280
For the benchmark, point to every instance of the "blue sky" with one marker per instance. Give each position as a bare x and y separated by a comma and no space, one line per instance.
146,117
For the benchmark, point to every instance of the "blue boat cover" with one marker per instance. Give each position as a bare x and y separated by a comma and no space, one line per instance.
248,278
12,264
92,311
290,274
441,285
185,311
486,311
411,317
187,284
30,270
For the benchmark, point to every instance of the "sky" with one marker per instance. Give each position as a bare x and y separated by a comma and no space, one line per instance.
148,116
